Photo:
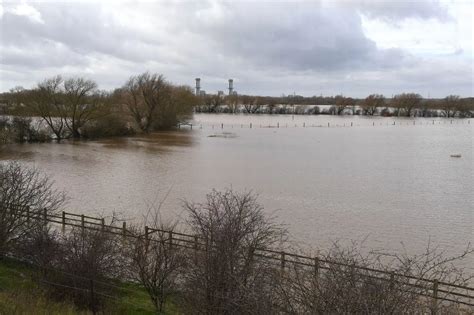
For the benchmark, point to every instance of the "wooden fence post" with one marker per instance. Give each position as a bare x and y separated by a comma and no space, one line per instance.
170,239
434,307
316,268
83,221
282,262
102,224
146,233
195,249
63,220
124,229
250,125
392,280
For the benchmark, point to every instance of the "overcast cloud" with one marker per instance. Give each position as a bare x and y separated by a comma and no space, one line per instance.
268,47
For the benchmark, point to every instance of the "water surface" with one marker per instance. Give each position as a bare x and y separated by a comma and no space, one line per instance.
388,184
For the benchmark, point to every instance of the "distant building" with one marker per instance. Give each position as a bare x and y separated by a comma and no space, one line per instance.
198,86
220,93
231,86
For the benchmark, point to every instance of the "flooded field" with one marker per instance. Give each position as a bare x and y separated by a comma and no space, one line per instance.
394,186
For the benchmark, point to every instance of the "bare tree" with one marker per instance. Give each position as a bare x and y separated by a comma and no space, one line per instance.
143,95
232,102
227,277
372,102
82,102
408,102
251,104
450,106
341,103
23,190
177,106
46,101
271,107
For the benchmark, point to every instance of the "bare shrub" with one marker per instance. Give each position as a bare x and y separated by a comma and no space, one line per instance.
350,285
23,190
226,276
154,262
41,247
88,260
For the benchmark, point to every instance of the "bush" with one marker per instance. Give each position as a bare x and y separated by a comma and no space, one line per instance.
155,263
107,126
23,190
86,255
227,277
341,288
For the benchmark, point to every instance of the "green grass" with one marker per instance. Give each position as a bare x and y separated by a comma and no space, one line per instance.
19,294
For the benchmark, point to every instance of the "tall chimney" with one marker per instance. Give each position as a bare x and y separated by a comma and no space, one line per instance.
198,86
231,86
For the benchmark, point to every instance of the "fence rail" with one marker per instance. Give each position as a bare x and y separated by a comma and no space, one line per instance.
437,290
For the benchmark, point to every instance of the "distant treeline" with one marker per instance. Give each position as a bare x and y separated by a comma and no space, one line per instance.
60,108
405,104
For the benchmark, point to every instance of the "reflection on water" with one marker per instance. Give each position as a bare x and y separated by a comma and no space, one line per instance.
392,184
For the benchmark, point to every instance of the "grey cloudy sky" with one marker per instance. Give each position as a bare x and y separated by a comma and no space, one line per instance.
269,47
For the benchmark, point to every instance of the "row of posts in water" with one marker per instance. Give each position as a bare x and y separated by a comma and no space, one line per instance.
250,125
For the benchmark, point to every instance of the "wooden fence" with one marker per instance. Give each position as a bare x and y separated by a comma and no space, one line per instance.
436,290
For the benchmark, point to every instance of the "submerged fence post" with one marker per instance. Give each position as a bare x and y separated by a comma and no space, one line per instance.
222,126
434,307
124,229
250,125
146,233
102,224
328,124
83,221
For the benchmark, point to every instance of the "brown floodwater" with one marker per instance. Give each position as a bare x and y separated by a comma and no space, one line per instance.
394,186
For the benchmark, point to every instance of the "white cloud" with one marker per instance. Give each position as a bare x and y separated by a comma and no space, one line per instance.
28,11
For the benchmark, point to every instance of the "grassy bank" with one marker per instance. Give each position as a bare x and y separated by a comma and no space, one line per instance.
21,294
